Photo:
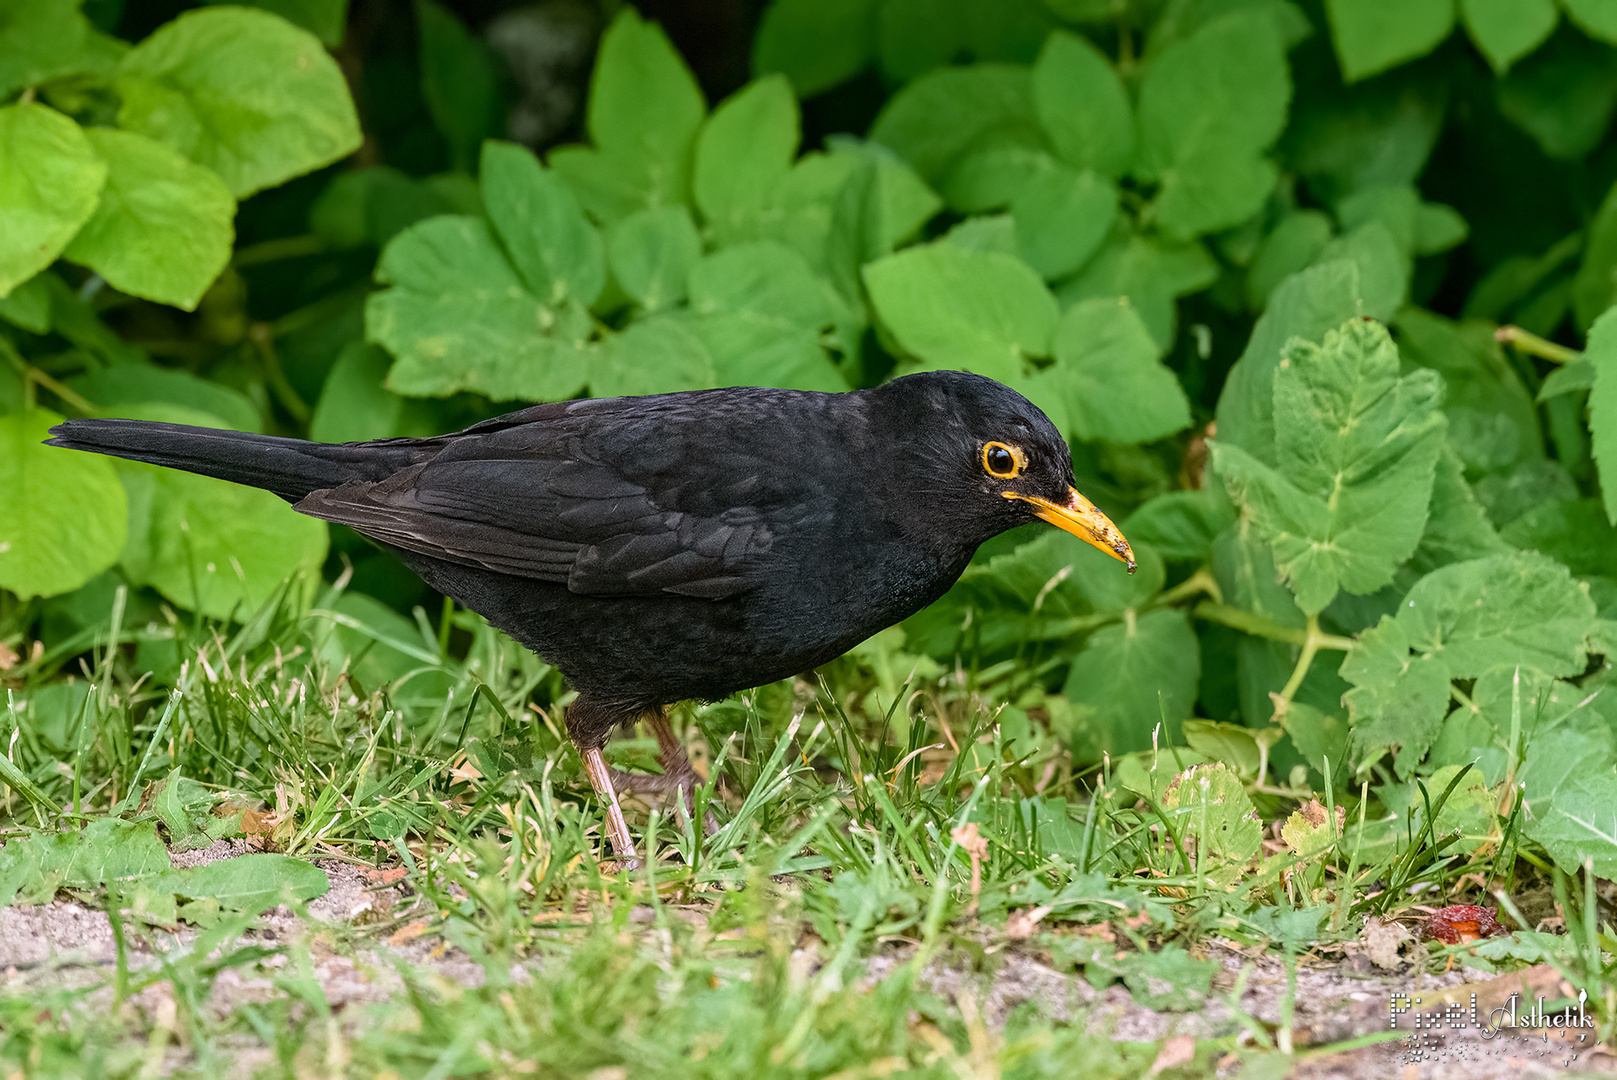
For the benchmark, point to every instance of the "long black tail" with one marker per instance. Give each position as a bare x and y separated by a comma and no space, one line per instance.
291,468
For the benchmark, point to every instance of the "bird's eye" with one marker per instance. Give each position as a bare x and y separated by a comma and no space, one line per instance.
1000,461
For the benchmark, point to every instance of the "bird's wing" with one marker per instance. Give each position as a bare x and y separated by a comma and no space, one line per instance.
606,505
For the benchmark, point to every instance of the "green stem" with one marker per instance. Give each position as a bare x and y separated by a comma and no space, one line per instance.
1264,627
285,247
1533,345
1202,581
1304,661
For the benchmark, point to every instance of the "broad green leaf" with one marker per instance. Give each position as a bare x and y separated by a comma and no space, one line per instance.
1595,287
952,308
1150,272
1107,380
1597,18
1575,533
989,177
1438,227
1181,524
645,107
1062,218
1209,805
557,253
1082,106
652,253
250,883
164,226
881,203
1457,527
29,306
1373,35
1507,30
1469,810
1492,421
458,318
1306,305
133,385
1356,447
1602,353
986,232
325,19
815,43
1581,824
745,149
355,404
50,177
1291,246
1384,270
1506,496
1566,379
658,356
1564,95
1398,699
107,851
1135,675
243,92
62,512
39,40
373,205
459,83
212,546
938,117
761,313
1210,105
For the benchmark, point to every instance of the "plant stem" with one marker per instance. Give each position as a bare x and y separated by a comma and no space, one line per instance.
1533,345
1264,627
1304,661
1202,581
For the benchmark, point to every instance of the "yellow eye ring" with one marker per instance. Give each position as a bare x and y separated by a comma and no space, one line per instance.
1003,462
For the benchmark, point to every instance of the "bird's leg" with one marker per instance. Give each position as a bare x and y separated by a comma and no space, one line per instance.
678,773
589,722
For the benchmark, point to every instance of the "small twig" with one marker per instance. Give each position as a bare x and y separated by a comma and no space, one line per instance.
1533,345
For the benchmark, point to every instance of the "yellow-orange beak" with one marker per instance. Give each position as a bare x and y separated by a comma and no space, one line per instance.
1080,517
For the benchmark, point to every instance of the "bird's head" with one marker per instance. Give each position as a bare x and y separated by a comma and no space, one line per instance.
980,454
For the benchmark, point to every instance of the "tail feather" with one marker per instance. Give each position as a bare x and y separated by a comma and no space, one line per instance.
291,468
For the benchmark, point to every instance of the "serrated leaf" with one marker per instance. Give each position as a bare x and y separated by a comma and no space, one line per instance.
164,227
50,179
652,252
938,117
658,356
1507,30
1082,105
1209,805
250,883
953,308
1356,447
1398,699
243,92
1580,824
1062,218
1135,675
815,43
645,107
557,253
745,149
458,318
1210,105
1106,380
62,513
1457,527
1602,353
1373,35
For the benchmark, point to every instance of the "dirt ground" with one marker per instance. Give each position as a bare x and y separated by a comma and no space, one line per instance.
65,944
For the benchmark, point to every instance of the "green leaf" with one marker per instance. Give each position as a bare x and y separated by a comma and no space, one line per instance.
1169,978
1602,353
1294,244
1150,272
1373,35
116,389
1507,30
39,40
1210,105
1581,824
1107,380
652,253
938,117
554,249
325,19
1209,805
815,43
1181,524
251,883
658,356
372,205
1062,218
458,318
50,177
164,226
459,83
1567,379
1384,270
1356,447
881,203
1575,533
355,404
1457,527
1564,95
645,108
1082,106
1135,675
212,546
1305,305
761,312
745,149
29,306
1469,810
62,513
1594,289
1438,228
1597,18
1398,700
243,92
989,177
953,308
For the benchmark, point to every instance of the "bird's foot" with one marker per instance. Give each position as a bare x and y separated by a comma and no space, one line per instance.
683,780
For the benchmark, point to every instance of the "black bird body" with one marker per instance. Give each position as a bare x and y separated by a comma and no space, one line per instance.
681,545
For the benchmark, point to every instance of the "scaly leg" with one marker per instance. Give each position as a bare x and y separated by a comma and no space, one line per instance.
678,773
589,722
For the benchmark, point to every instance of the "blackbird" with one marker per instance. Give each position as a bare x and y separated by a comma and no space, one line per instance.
657,549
